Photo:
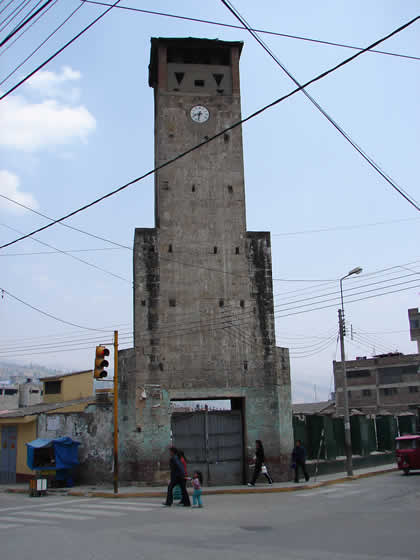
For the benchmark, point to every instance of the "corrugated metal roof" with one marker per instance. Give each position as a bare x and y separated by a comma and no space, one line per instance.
313,408
44,407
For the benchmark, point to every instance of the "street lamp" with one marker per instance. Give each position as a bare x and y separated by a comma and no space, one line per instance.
341,324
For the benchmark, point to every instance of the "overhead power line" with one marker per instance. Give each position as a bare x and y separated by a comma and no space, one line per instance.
60,50
28,28
343,228
221,324
24,23
58,251
161,257
345,135
83,261
264,31
206,141
42,43
3,291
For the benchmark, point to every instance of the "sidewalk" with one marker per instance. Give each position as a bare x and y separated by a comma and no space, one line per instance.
125,491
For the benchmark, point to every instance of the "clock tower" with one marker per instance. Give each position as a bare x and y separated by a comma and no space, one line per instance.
203,301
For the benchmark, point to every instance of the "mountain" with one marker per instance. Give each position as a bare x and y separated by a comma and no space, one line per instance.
8,369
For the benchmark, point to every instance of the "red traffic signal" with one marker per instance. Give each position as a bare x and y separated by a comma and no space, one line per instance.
100,362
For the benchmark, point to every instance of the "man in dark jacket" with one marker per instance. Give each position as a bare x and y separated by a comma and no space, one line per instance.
298,460
177,477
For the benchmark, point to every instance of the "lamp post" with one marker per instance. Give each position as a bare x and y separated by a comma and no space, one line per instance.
341,324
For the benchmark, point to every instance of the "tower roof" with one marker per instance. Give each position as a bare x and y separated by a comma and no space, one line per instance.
181,44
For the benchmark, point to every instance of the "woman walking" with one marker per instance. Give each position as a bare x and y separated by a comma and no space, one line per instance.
260,467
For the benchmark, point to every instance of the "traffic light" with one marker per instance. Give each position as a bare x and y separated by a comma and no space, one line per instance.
100,362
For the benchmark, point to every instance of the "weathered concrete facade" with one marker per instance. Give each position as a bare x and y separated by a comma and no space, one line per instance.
93,428
203,300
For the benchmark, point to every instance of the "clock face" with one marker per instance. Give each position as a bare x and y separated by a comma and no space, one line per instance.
199,114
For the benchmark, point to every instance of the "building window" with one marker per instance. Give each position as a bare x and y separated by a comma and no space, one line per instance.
230,188
52,387
170,248
242,303
413,389
34,391
388,391
193,188
10,391
199,83
221,302
237,251
358,373
366,392
172,303
215,250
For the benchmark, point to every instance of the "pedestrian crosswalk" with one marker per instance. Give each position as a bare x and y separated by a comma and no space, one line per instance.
331,492
59,512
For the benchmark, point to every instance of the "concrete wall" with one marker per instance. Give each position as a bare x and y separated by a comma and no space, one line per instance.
30,394
73,387
9,397
203,301
93,428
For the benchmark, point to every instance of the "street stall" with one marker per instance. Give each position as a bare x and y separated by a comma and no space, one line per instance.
53,461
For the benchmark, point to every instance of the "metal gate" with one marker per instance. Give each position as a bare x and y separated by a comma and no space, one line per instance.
213,444
8,454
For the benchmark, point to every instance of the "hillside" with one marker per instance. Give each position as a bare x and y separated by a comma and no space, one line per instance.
32,370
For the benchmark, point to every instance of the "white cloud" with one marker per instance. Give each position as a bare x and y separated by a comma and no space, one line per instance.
57,84
34,126
9,186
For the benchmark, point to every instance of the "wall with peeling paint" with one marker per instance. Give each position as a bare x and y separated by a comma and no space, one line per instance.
93,428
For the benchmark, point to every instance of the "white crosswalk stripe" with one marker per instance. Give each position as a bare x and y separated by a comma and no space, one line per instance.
57,515
117,507
93,511
331,493
27,520
87,509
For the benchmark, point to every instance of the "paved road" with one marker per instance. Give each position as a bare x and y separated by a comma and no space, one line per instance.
367,519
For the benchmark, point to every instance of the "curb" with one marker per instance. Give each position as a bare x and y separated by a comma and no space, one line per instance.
210,492
232,491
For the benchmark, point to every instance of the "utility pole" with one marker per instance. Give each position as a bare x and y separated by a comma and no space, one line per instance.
347,432
115,412
342,330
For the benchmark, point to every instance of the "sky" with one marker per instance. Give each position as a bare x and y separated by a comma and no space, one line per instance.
83,125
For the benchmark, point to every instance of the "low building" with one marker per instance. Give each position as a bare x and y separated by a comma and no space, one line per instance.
65,411
68,386
9,396
30,394
387,383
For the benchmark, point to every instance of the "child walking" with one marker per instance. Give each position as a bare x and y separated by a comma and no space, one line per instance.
197,481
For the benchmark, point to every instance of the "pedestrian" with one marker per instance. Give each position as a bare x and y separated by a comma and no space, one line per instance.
299,460
260,467
177,490
177,477
197,481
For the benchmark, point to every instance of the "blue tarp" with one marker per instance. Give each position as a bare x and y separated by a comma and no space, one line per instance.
65,452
